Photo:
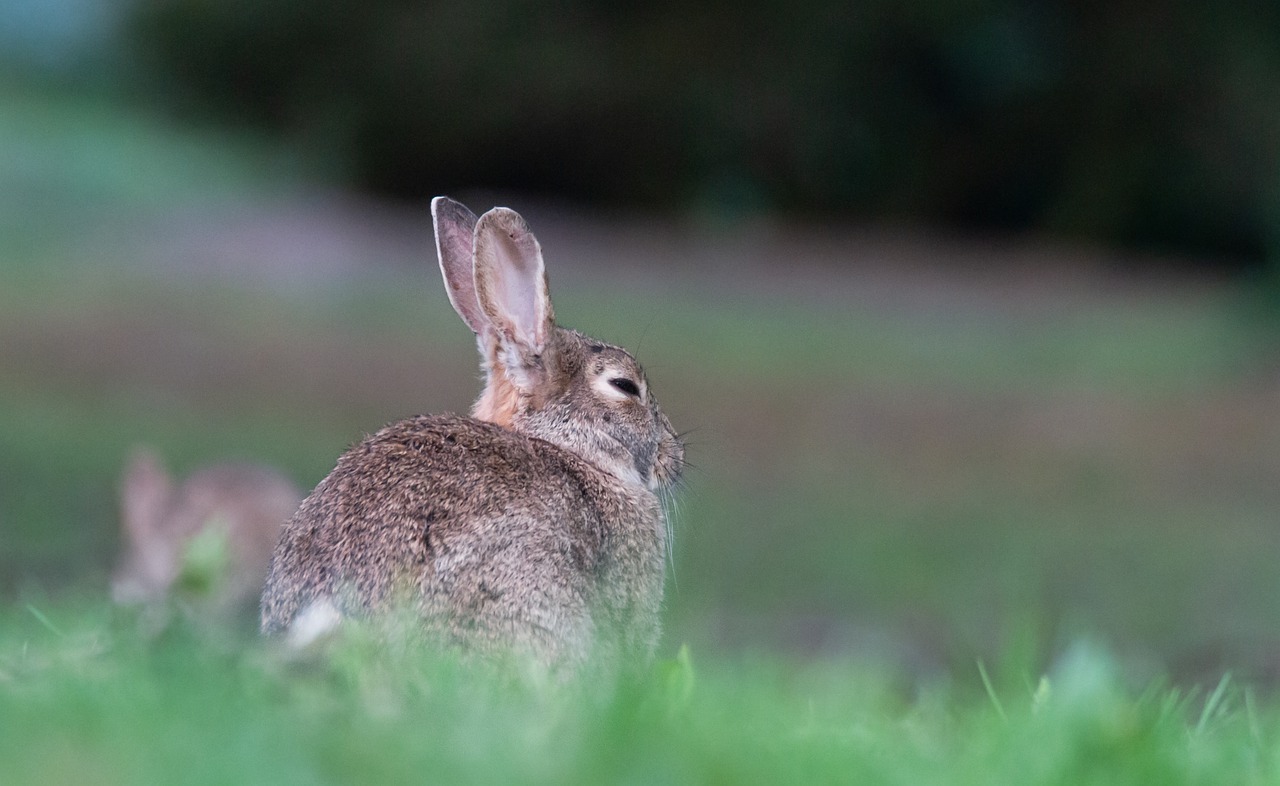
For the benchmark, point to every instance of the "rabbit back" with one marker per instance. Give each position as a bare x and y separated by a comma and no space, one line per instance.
497,539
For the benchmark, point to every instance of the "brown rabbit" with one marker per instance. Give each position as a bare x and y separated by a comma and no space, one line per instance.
532,527
243,506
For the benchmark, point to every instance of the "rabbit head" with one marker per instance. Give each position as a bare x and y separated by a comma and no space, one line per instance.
541,379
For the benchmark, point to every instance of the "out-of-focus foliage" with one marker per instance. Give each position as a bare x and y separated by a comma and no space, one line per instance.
92,697
59,41
1145,123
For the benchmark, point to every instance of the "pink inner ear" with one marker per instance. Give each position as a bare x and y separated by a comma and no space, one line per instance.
517,275
510,281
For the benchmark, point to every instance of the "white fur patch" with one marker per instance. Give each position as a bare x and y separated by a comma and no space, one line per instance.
317,621
626,472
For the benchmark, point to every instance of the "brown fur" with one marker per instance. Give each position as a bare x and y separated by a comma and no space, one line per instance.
532,527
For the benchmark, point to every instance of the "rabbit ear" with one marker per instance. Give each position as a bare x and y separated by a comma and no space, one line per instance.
511,286
455,236
144,493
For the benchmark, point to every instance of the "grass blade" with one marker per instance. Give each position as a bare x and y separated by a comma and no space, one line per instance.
991,692
45,621
1212,704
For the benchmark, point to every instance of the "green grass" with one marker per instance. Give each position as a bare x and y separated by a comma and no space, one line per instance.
85,698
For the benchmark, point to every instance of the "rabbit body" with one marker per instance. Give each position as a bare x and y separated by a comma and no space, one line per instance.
532,527
487,564
244,505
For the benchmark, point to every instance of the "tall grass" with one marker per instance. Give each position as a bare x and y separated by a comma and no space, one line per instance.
85,697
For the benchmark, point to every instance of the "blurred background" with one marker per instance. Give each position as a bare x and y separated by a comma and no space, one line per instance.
973,308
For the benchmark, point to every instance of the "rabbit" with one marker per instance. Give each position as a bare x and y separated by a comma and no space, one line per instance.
237,508
533,527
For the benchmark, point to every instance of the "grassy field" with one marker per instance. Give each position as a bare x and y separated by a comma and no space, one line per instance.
905,466
89,700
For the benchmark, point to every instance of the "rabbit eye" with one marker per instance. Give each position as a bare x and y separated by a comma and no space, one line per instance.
625,385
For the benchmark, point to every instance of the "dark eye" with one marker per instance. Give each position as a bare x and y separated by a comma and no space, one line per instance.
625,385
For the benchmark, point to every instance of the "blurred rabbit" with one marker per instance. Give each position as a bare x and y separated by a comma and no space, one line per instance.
532,527
212,535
